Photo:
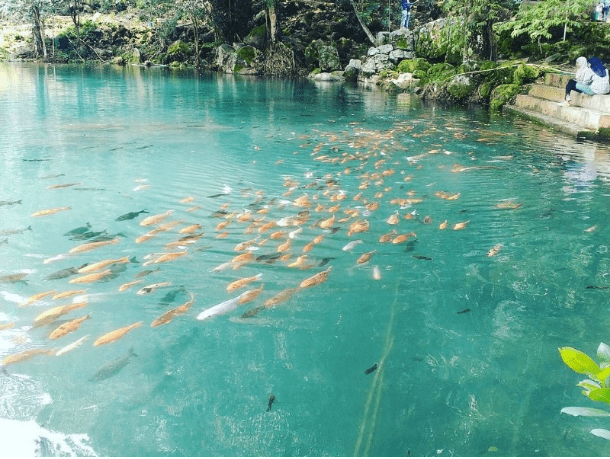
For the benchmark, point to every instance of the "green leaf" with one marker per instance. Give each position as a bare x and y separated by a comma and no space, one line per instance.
601,433
603,375
581,411
579,361
600,395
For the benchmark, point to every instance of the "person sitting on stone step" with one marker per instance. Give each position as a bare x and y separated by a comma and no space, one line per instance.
582,81
600,84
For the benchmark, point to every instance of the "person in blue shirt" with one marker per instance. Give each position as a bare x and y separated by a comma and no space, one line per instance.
406,13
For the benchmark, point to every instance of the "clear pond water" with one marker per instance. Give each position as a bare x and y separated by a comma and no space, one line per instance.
462,322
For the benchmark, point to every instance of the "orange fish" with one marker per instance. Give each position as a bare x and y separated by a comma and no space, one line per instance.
249,295
93,245
494,250
102,264
171,256
393,219
364,258
130,284
115,335
93,277
169,315
315,279
284,247
325,224
50,315
284,295
242,282
42,213
37,297
68,327
461,225
68,294
443,225
190,229
154,219
25,355
308,247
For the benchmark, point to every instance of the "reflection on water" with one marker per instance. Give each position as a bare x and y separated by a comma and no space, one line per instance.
435,334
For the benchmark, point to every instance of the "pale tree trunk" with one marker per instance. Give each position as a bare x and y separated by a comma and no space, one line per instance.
362,24
38,32
272,28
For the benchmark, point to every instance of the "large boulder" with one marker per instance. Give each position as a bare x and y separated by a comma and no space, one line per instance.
323,55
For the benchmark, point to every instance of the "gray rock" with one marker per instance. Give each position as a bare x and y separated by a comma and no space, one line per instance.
325,76
329,57
385,49
398,55
372,51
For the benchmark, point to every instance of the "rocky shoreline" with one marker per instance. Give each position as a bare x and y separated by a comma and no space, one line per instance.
400,61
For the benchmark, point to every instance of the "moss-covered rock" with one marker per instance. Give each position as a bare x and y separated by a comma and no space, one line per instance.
247,53
460,87
524,73
502,94
440,72
412,65
485,90
178,47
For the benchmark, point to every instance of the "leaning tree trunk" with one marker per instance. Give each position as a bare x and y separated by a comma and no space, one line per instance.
362,24
38,32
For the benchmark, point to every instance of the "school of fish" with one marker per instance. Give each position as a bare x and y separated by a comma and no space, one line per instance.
292,230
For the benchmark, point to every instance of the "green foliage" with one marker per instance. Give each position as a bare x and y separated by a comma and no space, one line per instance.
502,94
247,53
411,65
537,20
237,68
459,89
440,72
178,47
524,73
485,89
595,388
259,31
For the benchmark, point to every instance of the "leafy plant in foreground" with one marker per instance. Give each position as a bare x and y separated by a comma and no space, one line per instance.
596,388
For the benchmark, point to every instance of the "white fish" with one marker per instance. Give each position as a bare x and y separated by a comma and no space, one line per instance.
72,346
61,256
352,244
293,234
285,221
222,308
376,273
223,266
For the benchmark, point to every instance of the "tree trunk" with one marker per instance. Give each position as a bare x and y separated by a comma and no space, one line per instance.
38,32
230,19
271,19
196,40
362,24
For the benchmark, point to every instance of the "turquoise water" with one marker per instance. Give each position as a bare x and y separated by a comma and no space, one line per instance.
465,344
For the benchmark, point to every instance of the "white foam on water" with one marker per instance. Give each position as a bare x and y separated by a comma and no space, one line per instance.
28,439
12,297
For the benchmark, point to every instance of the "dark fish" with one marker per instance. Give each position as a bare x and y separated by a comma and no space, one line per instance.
335,229
89,189
4,242
35,160
216,195
146,272
9,203
115,271
370,370
130,215
171,296
62,274
87,235
79,230
325,261
219,214
422,257
464,311
113,368
44,177
599,287
411,245
15,231
252,312
268,258
271,401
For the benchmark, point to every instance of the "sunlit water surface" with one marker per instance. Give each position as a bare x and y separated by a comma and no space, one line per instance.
465,343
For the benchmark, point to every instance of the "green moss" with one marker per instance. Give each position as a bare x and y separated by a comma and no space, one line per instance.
237,68
440,72
258,31
459,90
401,43
524,73
315,71
485,89
247,53
411,65
178,47
175,64
488,65
502,94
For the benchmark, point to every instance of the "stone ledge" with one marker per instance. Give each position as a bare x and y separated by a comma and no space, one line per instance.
572,129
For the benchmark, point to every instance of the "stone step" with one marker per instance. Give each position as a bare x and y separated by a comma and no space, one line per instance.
585,117
557,124
558,80
543,91
600,103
